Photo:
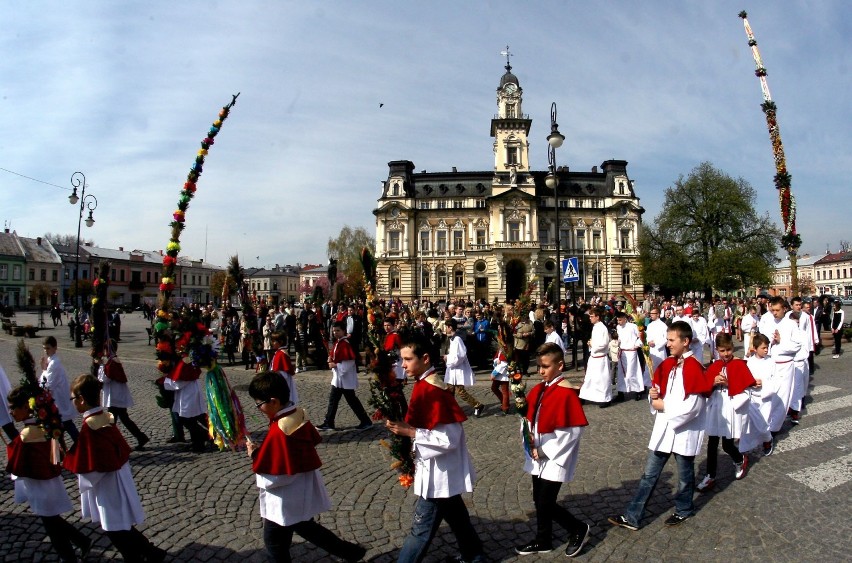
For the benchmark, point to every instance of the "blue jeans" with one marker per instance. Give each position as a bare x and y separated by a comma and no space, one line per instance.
428,513
653,468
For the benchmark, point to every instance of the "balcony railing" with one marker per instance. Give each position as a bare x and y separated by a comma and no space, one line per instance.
517,244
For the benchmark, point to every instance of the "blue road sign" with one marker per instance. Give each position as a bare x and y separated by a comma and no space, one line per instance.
569,270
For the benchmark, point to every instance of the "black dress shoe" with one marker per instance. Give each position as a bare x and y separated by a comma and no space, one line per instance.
534,547
675,519
175,440
577,540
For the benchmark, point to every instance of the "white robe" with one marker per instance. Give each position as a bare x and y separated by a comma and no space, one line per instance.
56,380
290,499
748,325
700,338
115,394
458,371
679,427
190,398
111,499
443,467
560,449
656,333
780,390
597,384
629,376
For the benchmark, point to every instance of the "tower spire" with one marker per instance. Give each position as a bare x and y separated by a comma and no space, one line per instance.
507,54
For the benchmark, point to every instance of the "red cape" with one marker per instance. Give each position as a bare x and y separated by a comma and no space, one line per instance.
104,449
185,372
694,381
280,454
342,351
739,376
431,405
281,361
392,342
31,459
560,408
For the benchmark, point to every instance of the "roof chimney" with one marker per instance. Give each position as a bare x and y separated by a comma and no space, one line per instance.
454,169
121,249
38,241
595,169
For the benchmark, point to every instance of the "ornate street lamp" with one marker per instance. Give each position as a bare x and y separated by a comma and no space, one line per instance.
90,202
554,141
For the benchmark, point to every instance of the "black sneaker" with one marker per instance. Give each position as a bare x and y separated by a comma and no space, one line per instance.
577,541
534,547
675,519
357,554
142,441
325,426
477,410
622,522
365,425
768,447
175,440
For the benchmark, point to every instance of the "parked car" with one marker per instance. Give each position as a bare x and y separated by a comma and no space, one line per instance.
66,307
846,300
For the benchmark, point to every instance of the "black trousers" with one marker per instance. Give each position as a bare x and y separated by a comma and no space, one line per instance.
10,430
547,511
132,544
197,426
351,400
278,538
838,337
121,414
62,535
713,453
585,347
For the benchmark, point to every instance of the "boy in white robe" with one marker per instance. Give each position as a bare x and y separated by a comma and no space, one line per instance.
784,342
655,335
459,374
556,420
630,376
677,404
55,379
597,384
444,469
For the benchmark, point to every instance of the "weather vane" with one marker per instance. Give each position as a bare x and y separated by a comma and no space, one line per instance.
507,54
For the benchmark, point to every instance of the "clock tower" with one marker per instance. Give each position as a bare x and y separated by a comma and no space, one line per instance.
510,129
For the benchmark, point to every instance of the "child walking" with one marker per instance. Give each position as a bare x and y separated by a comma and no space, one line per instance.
762,367
116,393
556,422
286,465
107,491
39,482
727,411
677,404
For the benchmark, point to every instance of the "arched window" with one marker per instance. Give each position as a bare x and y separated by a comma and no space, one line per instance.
442,278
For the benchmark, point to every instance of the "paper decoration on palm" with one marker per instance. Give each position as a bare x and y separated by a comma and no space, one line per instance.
99,319
386,395
183,340
791,240
41,403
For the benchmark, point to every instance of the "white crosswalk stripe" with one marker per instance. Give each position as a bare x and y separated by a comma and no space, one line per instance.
825,476
830,405
832,473
806,436
820,389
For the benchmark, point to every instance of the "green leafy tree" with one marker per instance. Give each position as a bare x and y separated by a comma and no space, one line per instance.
708,236
218,281
346,248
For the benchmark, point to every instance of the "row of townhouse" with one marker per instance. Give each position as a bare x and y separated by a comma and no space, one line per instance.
36,273
829,273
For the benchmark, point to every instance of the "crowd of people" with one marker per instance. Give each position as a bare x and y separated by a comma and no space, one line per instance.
690,377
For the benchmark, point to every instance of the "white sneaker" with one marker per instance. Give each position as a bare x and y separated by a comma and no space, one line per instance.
740,469
298,370
706,484
836,356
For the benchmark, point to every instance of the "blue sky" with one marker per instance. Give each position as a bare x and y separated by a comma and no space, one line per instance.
124,91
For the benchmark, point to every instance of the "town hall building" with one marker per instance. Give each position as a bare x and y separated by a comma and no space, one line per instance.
485,235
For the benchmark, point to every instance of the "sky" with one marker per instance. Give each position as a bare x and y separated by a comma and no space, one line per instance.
330,92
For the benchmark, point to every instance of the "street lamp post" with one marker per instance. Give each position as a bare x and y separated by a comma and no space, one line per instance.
90,202
554,141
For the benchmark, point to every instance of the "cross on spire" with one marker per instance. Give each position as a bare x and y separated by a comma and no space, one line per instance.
507,54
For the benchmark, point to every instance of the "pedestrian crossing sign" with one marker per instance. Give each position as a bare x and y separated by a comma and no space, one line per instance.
569,270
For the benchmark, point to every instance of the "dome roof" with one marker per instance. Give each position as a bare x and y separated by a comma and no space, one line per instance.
509,77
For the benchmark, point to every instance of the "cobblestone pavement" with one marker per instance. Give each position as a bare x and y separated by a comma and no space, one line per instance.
793,506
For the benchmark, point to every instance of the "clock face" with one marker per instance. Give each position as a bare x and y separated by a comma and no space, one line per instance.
510,88
395,212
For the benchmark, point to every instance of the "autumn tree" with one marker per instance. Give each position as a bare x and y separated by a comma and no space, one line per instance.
346,248
708,236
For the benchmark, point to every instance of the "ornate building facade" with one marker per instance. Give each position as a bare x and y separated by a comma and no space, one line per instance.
485,235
